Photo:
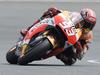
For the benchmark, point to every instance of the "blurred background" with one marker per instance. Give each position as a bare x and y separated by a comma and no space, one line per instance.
18,14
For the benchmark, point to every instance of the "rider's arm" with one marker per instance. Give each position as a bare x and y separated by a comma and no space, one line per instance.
88,37
82,45
84,40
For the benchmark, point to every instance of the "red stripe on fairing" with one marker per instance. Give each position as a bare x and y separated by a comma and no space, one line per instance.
35,31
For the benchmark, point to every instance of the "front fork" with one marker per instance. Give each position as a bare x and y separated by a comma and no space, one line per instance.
19,47
53,38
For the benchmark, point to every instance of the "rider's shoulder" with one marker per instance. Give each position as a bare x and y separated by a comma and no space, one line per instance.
65,11
75,14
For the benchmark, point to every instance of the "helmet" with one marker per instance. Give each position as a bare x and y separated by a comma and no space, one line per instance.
89,18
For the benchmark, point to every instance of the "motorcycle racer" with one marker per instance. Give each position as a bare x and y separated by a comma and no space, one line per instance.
86,20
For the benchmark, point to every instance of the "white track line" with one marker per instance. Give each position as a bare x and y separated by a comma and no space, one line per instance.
94,61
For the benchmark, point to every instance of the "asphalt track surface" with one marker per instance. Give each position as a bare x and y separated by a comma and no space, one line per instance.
17,15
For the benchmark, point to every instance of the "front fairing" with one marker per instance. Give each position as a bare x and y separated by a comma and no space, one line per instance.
39,27
67,27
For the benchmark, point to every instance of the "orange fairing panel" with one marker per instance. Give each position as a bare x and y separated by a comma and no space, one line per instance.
67,28
72,39
34,31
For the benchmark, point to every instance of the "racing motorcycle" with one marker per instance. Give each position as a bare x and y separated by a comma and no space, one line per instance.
45,39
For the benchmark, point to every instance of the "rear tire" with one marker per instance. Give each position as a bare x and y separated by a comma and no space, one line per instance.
11,57
37,51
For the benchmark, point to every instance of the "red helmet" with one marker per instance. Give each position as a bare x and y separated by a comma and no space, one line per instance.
89,18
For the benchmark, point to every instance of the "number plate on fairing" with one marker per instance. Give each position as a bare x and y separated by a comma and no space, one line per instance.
68,28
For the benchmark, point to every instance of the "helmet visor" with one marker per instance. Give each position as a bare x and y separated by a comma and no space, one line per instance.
88,25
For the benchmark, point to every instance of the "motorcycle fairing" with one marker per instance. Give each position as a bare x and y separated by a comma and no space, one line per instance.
67,27
34,31
39,27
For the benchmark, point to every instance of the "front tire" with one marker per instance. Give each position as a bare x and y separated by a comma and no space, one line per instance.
11,57
37,52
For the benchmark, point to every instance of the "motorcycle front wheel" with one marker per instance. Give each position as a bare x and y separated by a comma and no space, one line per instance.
11,57
36,52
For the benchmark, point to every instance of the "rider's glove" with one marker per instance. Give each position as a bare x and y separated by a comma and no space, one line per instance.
84,43
78,46
79,50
